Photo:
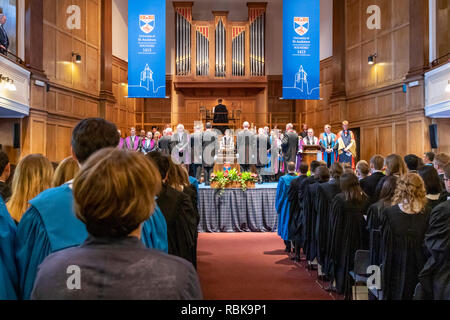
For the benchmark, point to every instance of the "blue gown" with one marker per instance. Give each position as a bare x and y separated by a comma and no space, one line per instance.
50,225
8,271
194,182
283,206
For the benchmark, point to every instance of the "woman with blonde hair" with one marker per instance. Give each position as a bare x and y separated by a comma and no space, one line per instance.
33,175
403,232
66,171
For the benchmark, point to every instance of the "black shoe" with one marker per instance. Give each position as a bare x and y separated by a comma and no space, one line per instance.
288,249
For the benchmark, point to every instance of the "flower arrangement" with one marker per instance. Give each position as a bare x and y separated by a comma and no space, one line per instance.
233,179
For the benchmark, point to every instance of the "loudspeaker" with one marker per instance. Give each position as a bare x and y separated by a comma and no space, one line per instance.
16,136
434,142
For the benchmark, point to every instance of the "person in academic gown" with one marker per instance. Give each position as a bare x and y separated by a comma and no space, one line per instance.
210,149
50,225
282,204
403,232
179,213
132,142
148,144
433,187
322,176
8,270
325,195
289,145
346,145
197,152
395,166
297,222
180,146
165,143
246,148
221,116
121,145
371,182
434,279
348,232
262,150
327,141
295,207
375,217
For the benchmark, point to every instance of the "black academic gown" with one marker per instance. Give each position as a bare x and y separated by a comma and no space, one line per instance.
310,214
370,184
299,234
325,195
402,252
295,206
348,235
182,222
191,192
374,220
434,279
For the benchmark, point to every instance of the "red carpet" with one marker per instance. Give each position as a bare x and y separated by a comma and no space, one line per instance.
251,266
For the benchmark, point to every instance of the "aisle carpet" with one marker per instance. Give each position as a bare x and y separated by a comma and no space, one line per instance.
251,266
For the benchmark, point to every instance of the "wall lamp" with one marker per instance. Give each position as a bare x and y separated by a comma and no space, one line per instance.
7,83
77,57
372,58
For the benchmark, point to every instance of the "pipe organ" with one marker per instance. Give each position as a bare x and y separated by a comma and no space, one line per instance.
220,49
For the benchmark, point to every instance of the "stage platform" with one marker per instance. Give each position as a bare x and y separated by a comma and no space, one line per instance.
238,211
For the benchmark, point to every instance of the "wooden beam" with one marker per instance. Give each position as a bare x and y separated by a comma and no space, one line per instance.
339,35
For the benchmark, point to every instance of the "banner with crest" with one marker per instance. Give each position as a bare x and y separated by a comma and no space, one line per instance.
301,49
146,49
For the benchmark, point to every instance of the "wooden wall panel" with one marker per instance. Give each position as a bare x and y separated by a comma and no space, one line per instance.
401,139
386,139
443,135
368,143
416,136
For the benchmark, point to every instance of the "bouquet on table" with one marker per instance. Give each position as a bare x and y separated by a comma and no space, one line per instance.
232,179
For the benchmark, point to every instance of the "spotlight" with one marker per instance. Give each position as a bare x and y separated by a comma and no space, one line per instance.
77,57
371,58
447,88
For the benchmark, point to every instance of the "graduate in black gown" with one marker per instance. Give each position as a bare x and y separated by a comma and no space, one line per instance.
295,207
325,195
433,186
434,279
403,232
395,166
374,217
221,116
322,176
348,231
297,222
180,214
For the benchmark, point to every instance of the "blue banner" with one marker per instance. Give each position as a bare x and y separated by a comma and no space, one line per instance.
146,49
301,49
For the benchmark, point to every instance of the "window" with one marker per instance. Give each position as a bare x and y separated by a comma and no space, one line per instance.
9,8
439,30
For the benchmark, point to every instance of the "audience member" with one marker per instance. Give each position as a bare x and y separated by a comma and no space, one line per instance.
33,175
412,162
282,204
440,161
434,281
50,224
114,204
375,217
403,233
177,207
348,232
395,166
433,186
5,171
371,182
66,171
428,158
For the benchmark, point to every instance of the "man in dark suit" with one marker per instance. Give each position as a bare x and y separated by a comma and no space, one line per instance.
180,145
210,148
262,148
304,133
164,144
196,152
4,40
289,145
221,116
5,170
371,182
246,148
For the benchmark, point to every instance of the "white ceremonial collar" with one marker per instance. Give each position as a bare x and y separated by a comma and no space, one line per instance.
70,184
433,196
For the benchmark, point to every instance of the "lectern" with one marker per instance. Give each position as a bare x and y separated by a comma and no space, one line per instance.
310,153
